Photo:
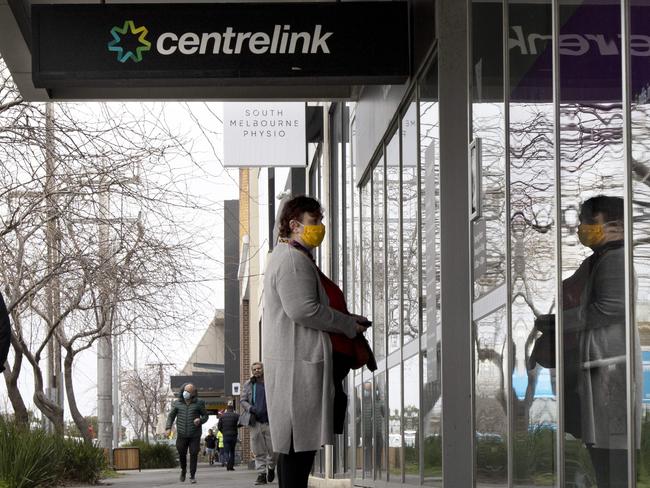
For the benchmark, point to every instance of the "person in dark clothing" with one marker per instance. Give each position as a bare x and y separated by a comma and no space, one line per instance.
228,427
210,446
190,414
256,417
5,334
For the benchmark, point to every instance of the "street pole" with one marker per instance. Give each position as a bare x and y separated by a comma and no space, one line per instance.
54,390
117,420
104,346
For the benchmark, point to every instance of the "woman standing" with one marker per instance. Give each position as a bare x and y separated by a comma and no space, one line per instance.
297,347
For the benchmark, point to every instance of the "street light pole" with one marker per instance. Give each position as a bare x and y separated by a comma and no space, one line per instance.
104,346
53,238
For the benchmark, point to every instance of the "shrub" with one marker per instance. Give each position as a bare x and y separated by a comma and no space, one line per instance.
156,456
82,462
31,458
28,458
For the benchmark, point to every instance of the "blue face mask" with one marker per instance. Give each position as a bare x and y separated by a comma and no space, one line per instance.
187,395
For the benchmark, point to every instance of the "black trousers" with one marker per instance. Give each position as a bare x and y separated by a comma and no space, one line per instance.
610,466
229,443
294,468
194,445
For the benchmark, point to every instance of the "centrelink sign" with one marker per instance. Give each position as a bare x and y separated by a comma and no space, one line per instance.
158,44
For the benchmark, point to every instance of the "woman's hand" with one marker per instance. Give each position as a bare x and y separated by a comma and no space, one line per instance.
362,323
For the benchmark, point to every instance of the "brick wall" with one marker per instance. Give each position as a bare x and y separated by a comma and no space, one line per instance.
244,329
245,359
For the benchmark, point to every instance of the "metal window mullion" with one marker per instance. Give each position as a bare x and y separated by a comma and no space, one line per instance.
506,131
559,338
630,297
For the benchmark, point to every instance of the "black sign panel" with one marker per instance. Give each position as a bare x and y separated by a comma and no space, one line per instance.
198,44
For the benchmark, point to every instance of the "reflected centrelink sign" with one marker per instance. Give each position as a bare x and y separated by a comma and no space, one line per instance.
589,44
145,44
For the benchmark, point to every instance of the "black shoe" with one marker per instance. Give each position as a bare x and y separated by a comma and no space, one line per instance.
271,475
182,478
261,479
193,480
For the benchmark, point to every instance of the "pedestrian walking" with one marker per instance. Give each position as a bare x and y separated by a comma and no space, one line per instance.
256,417
228,425
220,448
210,446
297,348
190,414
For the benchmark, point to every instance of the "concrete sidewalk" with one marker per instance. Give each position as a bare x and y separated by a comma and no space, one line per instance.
206,475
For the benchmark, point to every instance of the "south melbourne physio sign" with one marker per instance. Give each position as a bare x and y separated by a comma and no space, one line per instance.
151,44
264,134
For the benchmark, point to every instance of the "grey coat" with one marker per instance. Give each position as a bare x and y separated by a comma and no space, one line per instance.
298,351
600,319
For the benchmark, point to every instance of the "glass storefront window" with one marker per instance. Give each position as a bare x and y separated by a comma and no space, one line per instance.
533,257
379,421
365,238
431,401
395,434
377,230
491,419
410,235
592,267
411,414
640,165
368,427
358,429
393,204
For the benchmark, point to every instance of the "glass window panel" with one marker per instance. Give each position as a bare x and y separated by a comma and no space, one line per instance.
351,214
489,234
380,412
366,419
366,256
358,429
395,424
533,257
393,203
412,421
491,420
431,438
378,259
640,114
593,274
410,238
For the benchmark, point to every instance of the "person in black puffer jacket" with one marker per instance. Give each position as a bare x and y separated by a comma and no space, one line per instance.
190,414
228,427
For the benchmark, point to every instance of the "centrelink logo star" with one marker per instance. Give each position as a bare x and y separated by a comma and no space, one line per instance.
129,27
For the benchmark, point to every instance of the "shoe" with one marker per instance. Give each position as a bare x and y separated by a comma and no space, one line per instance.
261,479
193,481
271,475
182,478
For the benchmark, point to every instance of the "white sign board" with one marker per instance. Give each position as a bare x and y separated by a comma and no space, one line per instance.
236,389
264,134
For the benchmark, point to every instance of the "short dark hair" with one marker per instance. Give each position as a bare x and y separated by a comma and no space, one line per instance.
612,208
294,210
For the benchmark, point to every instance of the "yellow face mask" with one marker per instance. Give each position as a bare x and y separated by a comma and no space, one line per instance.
591,235
313,235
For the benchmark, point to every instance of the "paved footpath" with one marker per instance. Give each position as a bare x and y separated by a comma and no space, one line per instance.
206,475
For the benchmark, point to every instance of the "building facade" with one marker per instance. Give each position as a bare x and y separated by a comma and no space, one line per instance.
453,205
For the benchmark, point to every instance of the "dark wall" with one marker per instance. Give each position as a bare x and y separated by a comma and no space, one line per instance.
231,303
423,29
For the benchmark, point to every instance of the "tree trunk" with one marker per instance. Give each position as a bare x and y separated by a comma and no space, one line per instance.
49,408
21,415
77,417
